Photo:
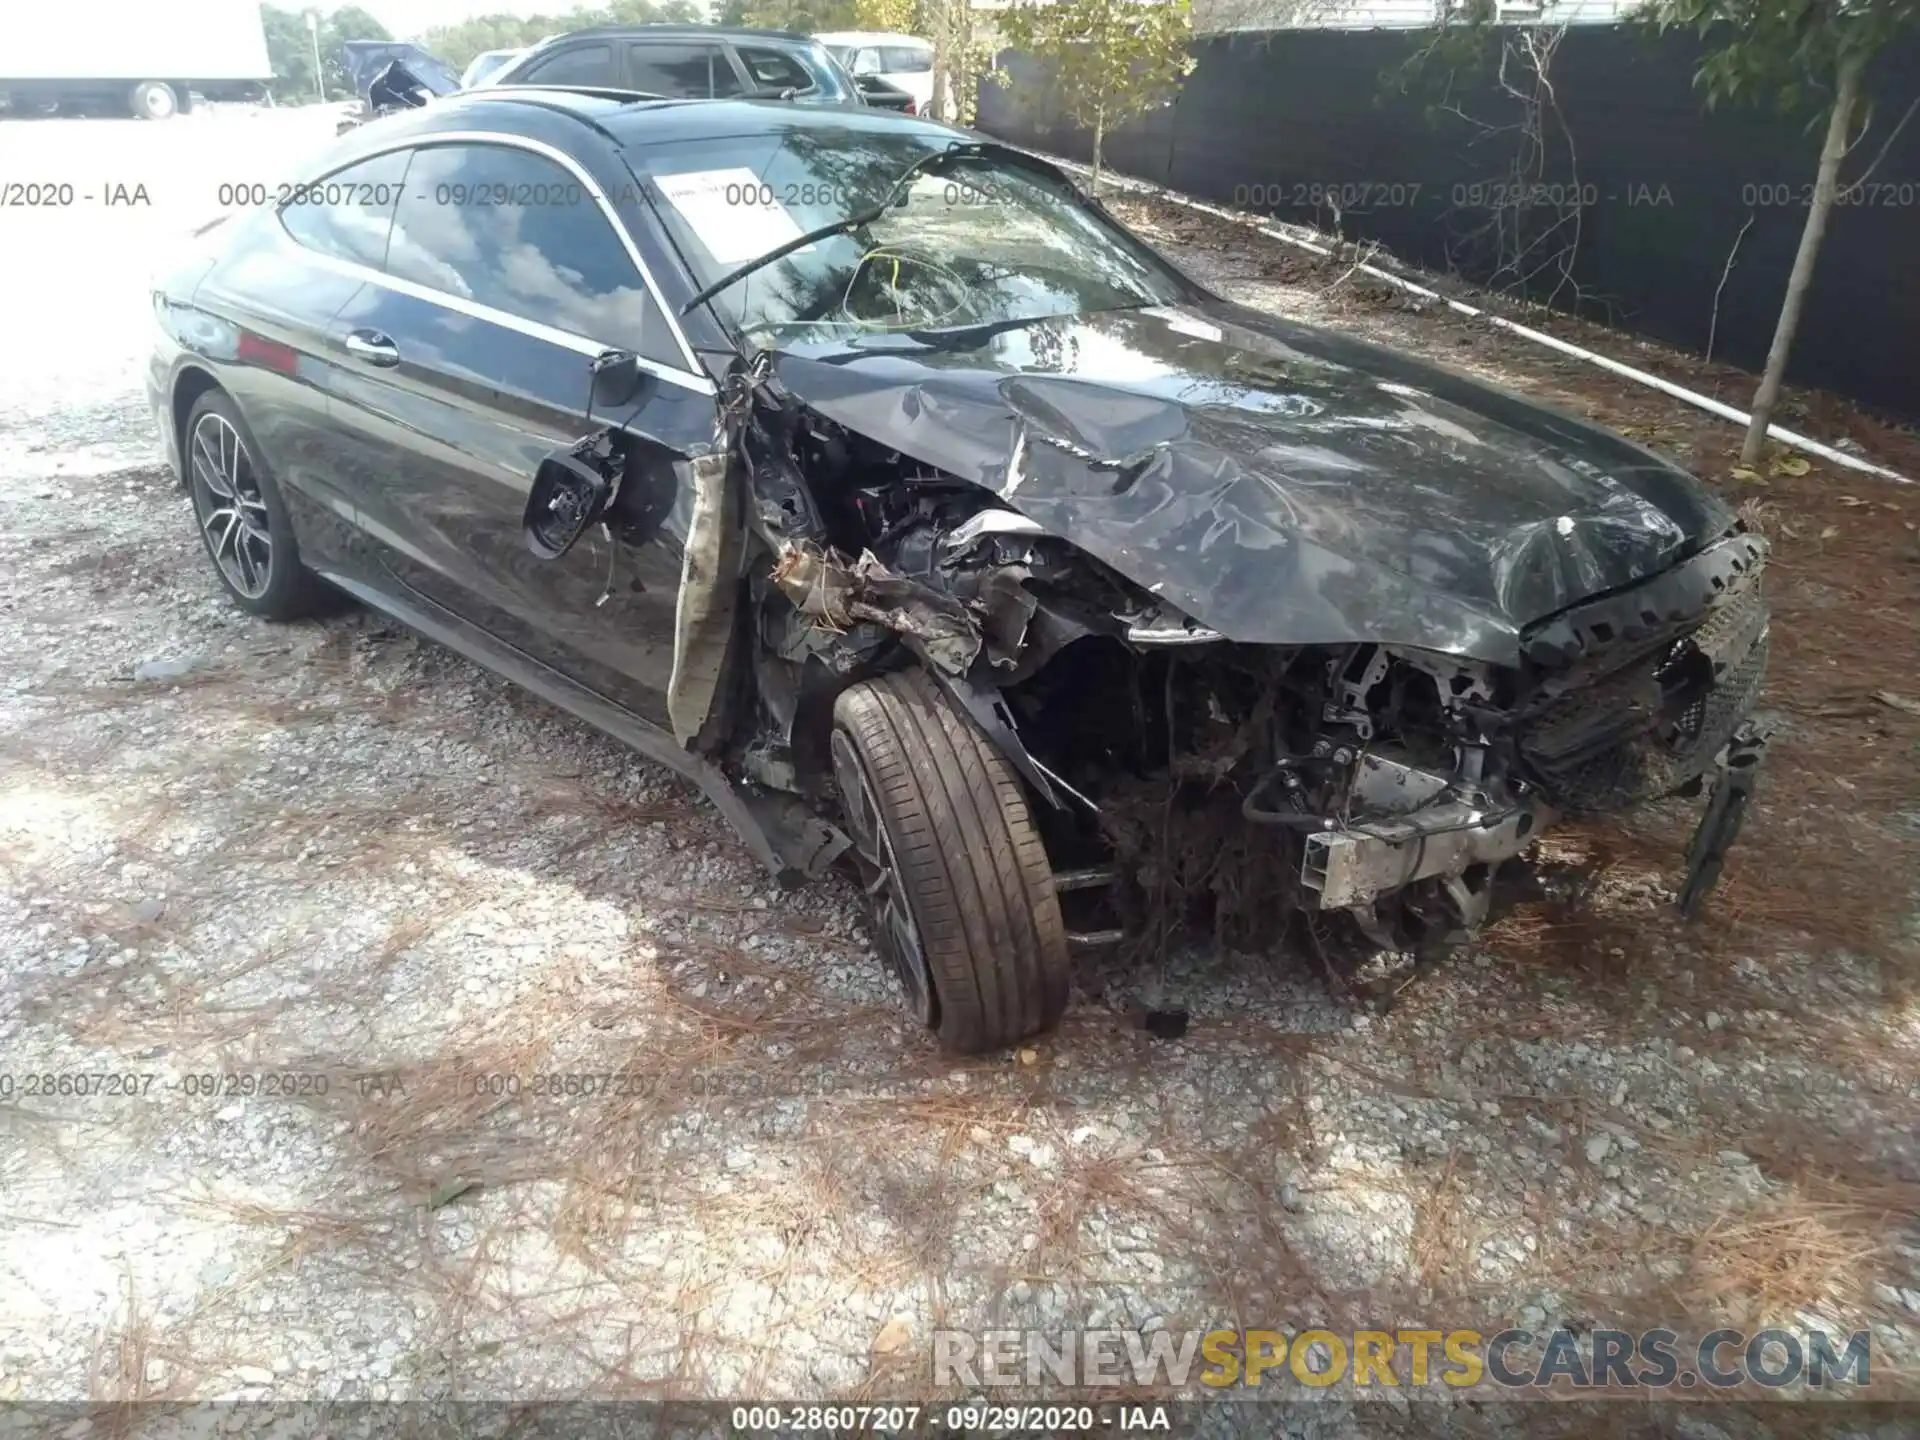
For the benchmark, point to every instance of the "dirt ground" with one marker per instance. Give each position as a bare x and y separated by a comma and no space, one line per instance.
336,855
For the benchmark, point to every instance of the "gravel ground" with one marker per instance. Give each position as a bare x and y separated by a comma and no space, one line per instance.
335,860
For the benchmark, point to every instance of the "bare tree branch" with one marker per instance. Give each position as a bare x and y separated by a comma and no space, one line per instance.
1713,320
1885,146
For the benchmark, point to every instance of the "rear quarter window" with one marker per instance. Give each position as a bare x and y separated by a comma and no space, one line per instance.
349,214
772,69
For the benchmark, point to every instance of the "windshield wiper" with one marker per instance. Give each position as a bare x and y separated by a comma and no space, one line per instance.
953,150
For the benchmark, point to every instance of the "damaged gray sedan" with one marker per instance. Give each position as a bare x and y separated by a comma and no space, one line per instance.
940,528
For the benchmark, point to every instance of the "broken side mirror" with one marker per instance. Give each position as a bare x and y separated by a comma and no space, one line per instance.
616,379
570,490
396,88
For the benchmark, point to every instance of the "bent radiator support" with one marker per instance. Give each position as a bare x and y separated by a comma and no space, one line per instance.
1352,866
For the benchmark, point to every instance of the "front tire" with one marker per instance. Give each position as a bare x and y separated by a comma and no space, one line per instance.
242,519
153,100
960,890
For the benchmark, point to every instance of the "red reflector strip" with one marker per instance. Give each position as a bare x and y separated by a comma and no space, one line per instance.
268,354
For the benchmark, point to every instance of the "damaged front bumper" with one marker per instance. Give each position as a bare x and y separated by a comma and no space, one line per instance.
1457,841
1730,789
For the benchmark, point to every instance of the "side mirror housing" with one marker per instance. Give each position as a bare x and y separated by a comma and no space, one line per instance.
569,493
616,379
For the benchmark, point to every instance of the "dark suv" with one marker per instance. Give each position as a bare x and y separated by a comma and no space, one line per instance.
687,62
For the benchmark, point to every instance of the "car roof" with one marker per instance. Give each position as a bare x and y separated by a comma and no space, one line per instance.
678,32
872,37
645,124
632,119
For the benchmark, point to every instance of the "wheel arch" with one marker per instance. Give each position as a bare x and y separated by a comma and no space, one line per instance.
190,382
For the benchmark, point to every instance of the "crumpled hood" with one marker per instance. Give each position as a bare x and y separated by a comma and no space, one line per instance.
1280,484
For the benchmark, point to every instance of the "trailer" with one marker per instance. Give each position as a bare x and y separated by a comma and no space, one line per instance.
149,58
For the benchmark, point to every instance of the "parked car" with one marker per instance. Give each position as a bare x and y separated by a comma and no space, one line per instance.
487,63
905,61
871,475
390,75
686,62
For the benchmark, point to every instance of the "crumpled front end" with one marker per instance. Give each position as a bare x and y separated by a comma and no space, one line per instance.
1634,695
1188,783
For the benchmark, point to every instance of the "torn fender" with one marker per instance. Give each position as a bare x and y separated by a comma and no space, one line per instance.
841,593
703,621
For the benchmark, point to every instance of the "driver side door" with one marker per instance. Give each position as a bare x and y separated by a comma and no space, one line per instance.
469,363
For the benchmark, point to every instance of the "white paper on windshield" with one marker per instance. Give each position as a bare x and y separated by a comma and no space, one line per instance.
731,212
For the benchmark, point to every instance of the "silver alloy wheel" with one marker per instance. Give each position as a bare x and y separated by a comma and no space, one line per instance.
232,511
898,938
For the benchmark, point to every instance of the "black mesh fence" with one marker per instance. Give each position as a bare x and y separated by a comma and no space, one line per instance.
1579,168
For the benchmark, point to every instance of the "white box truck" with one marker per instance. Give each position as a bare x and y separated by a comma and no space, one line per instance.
145,57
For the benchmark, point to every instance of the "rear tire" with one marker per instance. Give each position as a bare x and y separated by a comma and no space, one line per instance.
961,892
153,100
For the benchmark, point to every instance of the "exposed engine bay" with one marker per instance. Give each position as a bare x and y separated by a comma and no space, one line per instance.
1186,783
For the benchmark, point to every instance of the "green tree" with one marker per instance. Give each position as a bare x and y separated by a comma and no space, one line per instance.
962,53
290,48
289,51
1110,59
899,16
458,43
1798,54
349,22
802,16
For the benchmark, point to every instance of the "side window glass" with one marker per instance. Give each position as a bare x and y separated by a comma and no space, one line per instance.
771,69
348,214
680,71
581,65
515,231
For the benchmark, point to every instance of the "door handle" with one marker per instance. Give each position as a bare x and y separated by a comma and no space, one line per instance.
373,347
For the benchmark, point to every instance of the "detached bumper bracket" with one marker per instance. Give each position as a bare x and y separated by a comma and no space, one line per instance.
1735,774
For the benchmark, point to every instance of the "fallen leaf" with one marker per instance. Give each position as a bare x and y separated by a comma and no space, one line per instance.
1854,501
894,1337
1829,532
1029,1057
1898,702
1790,465
1746,472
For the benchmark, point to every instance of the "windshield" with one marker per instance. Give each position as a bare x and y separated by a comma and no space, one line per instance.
975,240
